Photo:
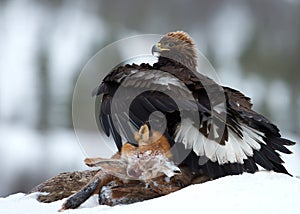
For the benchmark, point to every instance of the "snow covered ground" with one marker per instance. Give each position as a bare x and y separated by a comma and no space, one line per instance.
248,193
263,192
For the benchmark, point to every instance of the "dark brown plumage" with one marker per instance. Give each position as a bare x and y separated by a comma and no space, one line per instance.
228,140
179,48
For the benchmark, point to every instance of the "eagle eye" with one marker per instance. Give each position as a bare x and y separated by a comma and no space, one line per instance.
171,44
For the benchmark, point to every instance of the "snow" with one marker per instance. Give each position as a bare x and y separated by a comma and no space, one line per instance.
262,192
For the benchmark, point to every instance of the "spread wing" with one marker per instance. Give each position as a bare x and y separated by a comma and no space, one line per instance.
225,136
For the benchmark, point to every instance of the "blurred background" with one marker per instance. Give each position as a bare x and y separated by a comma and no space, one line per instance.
253,45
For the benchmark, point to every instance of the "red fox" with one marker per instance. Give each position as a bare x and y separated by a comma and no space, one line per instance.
153,145
151,158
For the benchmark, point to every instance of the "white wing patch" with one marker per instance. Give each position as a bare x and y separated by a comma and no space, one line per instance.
235,150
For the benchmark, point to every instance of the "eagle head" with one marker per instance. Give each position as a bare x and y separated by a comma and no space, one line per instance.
177,46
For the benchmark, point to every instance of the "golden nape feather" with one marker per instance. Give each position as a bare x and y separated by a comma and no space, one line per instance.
181,35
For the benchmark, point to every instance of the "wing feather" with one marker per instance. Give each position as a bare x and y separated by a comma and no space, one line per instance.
228,141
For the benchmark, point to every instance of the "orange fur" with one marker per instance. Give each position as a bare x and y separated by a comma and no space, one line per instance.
154,145
128,150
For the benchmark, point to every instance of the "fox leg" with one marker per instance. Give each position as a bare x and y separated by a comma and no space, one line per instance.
115,193
94,186
98,162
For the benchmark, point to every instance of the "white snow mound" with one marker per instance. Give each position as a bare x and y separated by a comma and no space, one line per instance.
262,192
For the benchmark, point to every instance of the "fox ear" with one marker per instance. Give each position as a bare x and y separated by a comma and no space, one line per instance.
144,133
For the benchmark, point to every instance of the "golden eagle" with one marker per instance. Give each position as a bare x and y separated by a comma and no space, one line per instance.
167,118
212,129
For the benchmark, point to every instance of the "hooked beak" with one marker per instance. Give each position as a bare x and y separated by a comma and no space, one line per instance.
157,49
